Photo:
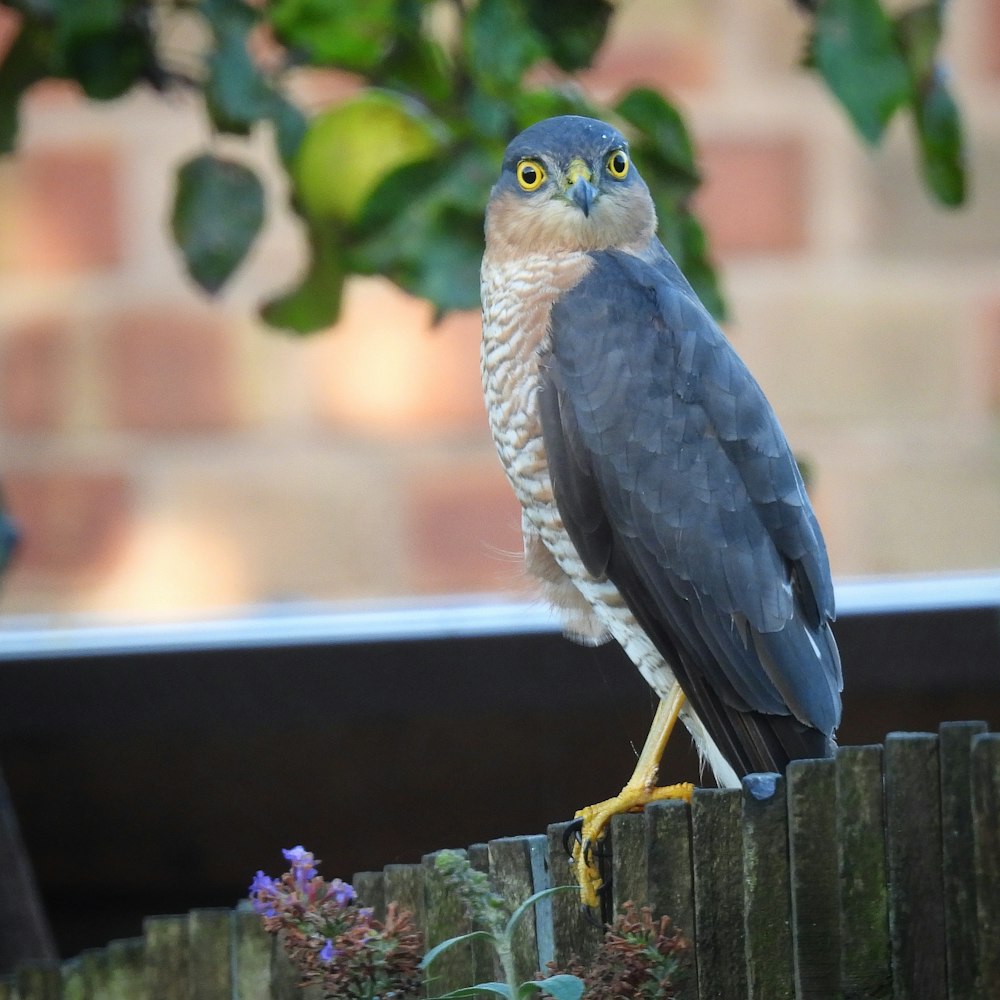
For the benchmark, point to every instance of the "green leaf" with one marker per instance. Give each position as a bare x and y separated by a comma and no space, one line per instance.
103,44
561,986
941,146
534,898
500,44
854,50
682,235
27,62
336,32
939,128
290,127
573,30
218,211
314,303
662,127
450,943
237,93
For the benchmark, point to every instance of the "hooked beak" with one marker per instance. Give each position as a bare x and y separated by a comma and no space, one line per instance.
579,188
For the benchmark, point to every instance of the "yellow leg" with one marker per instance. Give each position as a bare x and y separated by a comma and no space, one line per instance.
638,792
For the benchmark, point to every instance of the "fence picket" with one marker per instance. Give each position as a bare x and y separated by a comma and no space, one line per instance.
251,953
209,943
717,852
986,828
515,877
916,886
875,874
815,878
629,874
446,918
958,849
370,887
167,954
865,960
572,934
671,879
766,889
126,978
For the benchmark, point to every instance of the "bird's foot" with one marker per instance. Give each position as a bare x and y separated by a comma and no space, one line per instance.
592,823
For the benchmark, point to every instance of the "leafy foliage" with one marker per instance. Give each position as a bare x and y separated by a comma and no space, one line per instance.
8,538
876,65
395,180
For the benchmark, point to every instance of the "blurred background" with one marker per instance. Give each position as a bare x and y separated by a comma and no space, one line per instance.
168,457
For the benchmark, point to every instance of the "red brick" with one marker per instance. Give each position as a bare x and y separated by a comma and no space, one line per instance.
753,199
385,369
34,376
170,370
62,211
71,522
464,531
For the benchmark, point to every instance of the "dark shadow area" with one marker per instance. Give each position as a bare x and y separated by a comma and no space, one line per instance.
156,782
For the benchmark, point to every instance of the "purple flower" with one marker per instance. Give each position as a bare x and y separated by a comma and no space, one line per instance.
303,863
329,952
263,894
341,892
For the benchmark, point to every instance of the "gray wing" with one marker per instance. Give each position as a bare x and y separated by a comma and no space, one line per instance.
675,481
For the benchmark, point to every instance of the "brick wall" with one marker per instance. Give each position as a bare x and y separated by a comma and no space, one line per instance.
165,454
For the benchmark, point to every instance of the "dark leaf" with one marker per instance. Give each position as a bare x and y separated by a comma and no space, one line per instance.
681,233
571,29
854,50
336,32
939,128
531,106
237,94
662,128
109,63
290,126
27,62
315,302
500,44
940,132
218,211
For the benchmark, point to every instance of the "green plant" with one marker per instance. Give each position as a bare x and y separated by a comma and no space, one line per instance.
498,926
395,181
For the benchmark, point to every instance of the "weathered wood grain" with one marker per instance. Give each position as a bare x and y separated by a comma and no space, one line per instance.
767,891
865,960
168,959
251,946
127,971
370,887
958,850
670,889
209,943
986,829
815,878
573,934
916,886
404,885
629,874
446,918
514,874
484,960
717,852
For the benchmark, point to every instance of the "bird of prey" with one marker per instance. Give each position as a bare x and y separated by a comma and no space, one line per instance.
661,504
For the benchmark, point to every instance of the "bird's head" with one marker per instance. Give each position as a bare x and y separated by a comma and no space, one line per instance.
568,183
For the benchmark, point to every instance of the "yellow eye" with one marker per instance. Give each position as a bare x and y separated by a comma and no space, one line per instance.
530,175
618,164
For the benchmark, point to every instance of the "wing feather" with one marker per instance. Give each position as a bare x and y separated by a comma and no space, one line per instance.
674,479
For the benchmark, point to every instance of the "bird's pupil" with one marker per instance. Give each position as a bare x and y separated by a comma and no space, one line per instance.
618,163
528,174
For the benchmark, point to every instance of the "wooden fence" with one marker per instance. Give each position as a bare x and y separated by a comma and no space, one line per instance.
875,874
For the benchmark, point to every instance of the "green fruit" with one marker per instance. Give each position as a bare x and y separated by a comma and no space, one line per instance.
349,149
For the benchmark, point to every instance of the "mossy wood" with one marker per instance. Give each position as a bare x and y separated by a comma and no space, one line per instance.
876,874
